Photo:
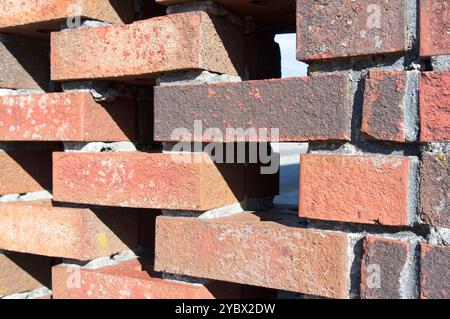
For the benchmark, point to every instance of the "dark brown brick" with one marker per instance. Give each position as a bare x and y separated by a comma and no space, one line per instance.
336,28
435,189
384,106
382,266
305,108
434,272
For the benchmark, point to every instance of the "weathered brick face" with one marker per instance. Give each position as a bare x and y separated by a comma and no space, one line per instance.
246,249
355,188
98,195
435,106
382,266
304,109
384,110
435,189
337,29
434,272
434,26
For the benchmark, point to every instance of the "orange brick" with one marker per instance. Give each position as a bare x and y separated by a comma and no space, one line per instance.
65,117
435,106
24,63
43,16
254,249
83,234
360,189
141,50
25,171
134,179
128,281
23,272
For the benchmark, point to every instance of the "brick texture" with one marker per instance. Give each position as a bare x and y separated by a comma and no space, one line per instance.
44,16
355,188
128,280
147,180
254,249
381,271
146,48
384,106
307,108
19,69
66,117
83,234
337,29
434,272
435,106
23,272
434,26
435,189
25,171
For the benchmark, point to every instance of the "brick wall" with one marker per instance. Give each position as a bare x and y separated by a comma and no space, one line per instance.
134,159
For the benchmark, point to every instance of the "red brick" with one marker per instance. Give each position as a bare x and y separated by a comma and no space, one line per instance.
43,16
274,13
435,106
434,26
434,272
25,171
359,189
435,189
255,249
305,108
23,272
382,265
337,29
66,117
384,106
150,180
141,50
21,70
127,281
83,234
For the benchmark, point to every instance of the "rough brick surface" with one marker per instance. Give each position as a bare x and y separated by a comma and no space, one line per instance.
23,272
134,179
128,280
25,171
83,234
357,189
305,108
434,272
44,16
384,106
19,69
435,106
257,250
336,28
383,263
434,26
435,189
65,117
146,48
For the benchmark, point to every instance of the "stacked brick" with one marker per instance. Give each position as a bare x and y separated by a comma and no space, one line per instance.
98,200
